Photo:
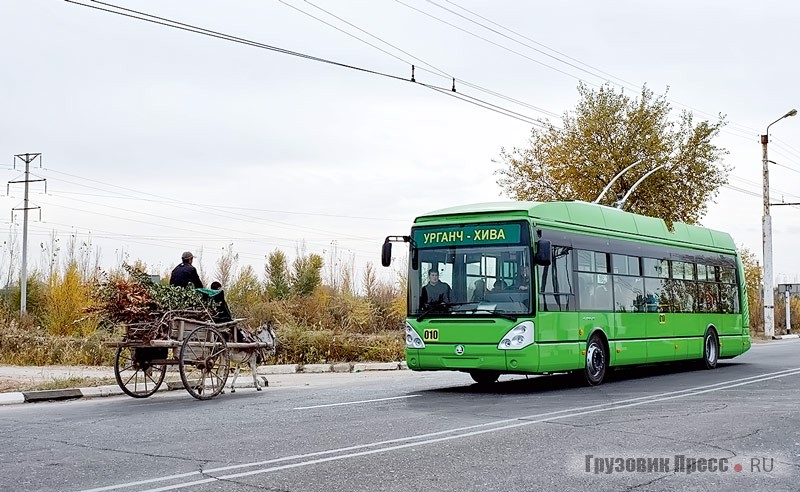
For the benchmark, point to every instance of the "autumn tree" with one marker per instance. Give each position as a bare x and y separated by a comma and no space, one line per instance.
306,274
226,266
277,271
753,277
609,131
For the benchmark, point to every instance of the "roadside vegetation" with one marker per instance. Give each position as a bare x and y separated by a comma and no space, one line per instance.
321,310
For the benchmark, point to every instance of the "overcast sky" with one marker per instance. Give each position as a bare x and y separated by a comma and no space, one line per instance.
157,140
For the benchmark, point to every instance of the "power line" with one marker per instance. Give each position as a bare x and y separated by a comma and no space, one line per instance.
539,44
518,42
759,185
227,37
217,206
437,71
271,239
440,71
492,42
243,218
743,128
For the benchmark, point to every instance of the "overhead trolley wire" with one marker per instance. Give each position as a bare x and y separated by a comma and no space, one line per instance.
535,42
163,21
745,132
438,71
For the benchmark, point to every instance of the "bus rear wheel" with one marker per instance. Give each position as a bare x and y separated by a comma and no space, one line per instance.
484,378
596,361
710,349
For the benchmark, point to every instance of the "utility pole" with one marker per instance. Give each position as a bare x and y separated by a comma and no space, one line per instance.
23,283
766,236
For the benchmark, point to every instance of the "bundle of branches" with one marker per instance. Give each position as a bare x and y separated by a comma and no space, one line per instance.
135,298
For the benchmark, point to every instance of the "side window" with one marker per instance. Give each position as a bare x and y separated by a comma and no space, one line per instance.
594,282
682,270
625,265
728,298
708,297
656,295
655,268
556,292
628,285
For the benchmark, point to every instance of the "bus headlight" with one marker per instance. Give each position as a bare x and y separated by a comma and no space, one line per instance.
518,337
413,340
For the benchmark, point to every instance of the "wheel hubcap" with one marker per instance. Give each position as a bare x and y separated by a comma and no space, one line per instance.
595,360
711,349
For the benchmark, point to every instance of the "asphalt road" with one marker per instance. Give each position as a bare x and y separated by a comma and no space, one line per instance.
429,431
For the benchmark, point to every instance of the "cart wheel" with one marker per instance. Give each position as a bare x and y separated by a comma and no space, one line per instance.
136,376
204,363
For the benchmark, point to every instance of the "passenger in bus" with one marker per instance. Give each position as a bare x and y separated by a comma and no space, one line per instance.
521,282
434,291
480,290
499,285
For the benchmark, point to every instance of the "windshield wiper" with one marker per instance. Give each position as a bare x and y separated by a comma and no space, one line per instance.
436,307
499,314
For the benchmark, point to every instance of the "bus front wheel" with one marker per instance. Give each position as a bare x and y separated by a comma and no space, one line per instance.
596,361
484,378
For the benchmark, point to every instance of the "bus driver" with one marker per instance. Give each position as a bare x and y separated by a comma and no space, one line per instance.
434,291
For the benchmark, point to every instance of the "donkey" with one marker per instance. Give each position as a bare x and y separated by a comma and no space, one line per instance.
252,357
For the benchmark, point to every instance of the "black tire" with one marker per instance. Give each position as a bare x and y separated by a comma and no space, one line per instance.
710,349
136,375
596,361
484,378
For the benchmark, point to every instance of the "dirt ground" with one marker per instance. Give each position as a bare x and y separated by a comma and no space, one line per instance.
27,378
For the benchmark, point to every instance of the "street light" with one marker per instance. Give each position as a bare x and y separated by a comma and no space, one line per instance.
766,229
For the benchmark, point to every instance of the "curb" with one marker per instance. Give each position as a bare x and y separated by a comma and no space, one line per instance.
11,398
114,390
784,337
51,395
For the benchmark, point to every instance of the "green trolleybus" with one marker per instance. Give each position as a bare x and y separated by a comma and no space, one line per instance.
528,287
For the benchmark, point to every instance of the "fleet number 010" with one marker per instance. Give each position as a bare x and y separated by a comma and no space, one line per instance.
430,335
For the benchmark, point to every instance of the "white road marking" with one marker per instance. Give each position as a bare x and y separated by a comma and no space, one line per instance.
429,438
355,402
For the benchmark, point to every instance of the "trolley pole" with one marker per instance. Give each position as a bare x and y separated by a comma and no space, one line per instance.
23,283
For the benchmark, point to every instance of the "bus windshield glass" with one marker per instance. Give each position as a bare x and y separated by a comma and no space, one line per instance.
472,269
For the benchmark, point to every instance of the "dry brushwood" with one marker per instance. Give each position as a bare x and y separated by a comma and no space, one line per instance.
135,299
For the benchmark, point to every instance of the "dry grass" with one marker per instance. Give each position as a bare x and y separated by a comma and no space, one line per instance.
35,347
315,322
302,346
53,384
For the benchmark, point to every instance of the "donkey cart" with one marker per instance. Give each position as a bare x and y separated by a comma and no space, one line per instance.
202,349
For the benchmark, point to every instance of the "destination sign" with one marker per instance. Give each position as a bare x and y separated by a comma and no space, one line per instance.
467,235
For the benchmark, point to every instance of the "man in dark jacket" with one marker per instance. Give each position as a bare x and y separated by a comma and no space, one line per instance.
185,274
434,292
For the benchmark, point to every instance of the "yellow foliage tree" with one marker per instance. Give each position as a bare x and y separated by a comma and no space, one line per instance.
609,131
68,297
753,277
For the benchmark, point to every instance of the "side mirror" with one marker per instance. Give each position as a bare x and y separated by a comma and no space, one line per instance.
414,258
544,252
386,254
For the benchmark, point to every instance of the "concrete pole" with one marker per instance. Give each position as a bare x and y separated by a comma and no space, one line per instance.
787,296
766,230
